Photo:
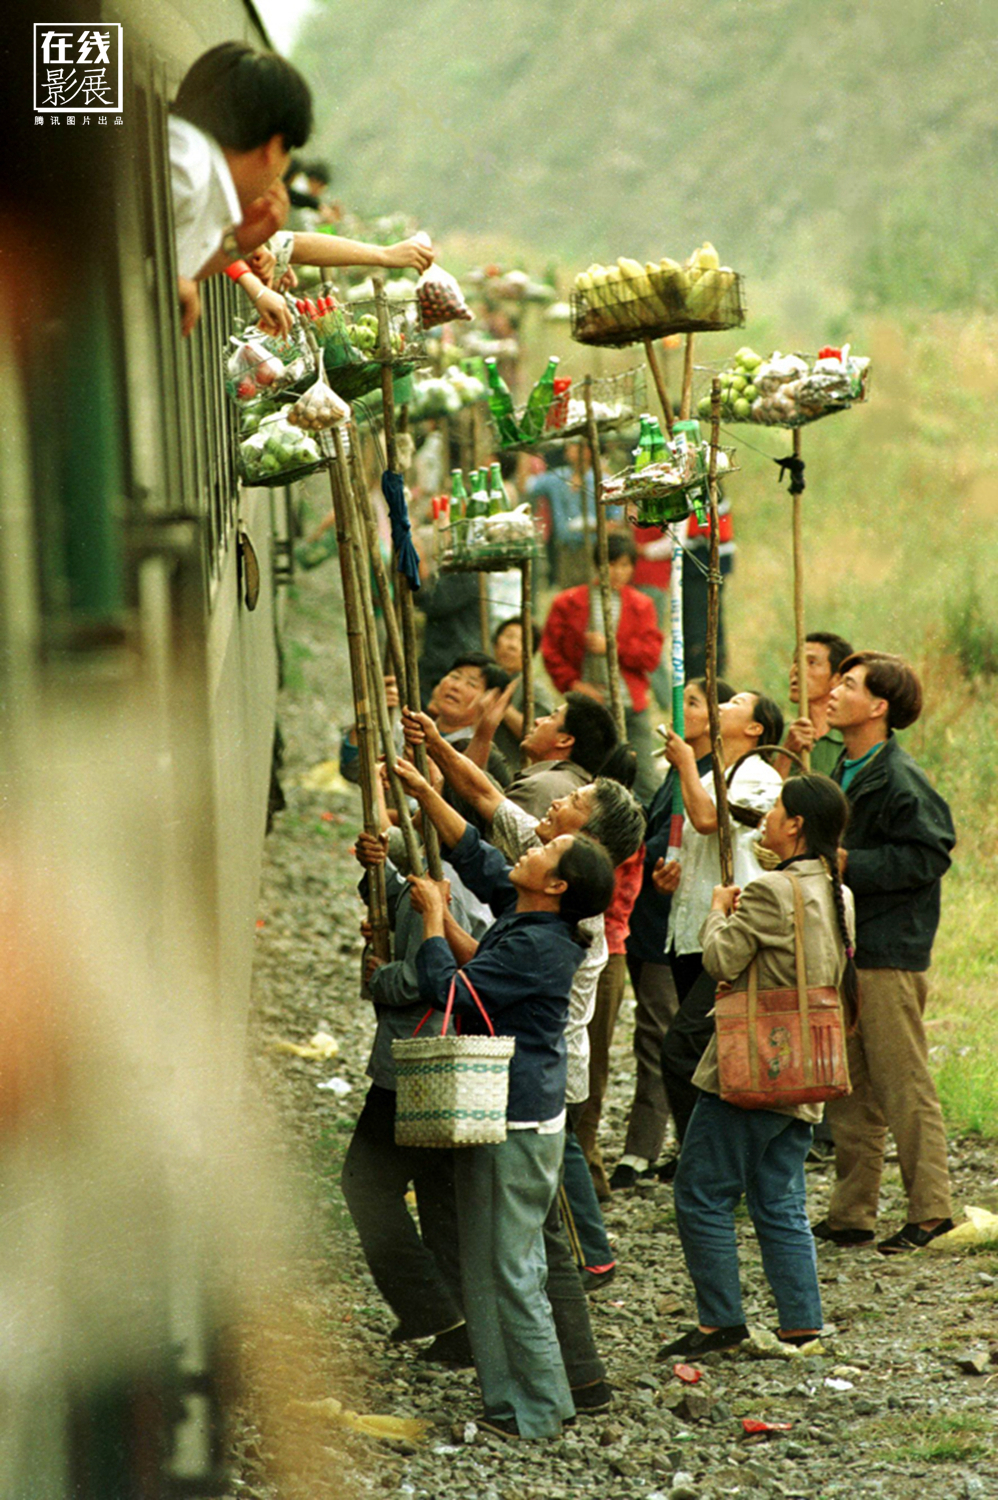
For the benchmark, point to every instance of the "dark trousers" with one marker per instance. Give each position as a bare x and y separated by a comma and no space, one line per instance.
569,1305
580,1208
416,1271
684,1045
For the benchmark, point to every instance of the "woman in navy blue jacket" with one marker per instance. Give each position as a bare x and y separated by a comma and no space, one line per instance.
522,971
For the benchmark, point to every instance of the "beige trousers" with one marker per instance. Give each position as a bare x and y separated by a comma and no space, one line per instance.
892,1089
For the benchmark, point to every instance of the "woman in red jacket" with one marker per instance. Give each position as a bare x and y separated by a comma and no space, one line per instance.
574,650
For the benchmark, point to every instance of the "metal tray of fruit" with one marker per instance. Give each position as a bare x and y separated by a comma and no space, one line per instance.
622,309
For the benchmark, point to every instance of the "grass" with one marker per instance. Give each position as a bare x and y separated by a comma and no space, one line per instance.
957,1438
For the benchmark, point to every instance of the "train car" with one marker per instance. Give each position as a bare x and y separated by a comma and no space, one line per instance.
138,682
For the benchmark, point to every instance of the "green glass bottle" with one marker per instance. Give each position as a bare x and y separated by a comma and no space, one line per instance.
458,495
642,454
540,398
501,406
477,508
497,492
659,448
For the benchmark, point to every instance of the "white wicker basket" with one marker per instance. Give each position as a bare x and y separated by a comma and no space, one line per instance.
452,1090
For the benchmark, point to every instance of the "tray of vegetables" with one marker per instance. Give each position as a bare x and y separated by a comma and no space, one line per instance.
277,453
790,390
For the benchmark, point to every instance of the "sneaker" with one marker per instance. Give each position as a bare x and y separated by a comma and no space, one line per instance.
697,1343
913,1237
667,1171
846,1239
590,1399
593,1280
451,1348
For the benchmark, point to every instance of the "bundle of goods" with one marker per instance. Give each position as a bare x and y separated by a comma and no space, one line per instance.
788,390
668,478
476,531
444,395
320,408
616,400
257,365
628,302
278,453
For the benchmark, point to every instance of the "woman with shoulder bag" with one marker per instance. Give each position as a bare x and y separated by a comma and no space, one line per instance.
730,1152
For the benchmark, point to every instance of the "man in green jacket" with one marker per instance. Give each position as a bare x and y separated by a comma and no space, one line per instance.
897,849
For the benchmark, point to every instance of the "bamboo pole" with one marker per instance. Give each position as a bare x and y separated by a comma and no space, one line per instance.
377,902
369,525
362,586
409,680
483,589
606,594
660,386
713,615
527,631
678,684
687,401
580,474
801,644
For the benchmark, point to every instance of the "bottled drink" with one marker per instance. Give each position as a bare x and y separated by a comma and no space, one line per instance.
458,495
642,454
501,406
497,492
558,412
538,402
659,448
477,507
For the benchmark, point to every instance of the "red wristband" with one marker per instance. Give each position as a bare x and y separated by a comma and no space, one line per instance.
238,268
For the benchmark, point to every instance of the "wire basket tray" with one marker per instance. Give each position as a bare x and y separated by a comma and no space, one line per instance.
629,310
618,401
260,366
792,400
349,339
482,544
279,462
656,502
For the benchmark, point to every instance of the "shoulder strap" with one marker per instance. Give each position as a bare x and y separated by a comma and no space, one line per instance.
801,965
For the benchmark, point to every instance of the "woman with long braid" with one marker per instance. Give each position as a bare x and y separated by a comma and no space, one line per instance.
728,1152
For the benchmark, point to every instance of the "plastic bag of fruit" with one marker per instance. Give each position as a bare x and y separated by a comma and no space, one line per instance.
441,299
320,407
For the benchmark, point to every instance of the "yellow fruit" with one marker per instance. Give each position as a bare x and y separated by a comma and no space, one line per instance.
583,282
630,267
707,257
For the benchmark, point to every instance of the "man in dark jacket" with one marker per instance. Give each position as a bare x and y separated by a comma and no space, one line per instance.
898,845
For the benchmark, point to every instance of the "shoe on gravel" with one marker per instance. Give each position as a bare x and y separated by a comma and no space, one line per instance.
503,1427
592,1281
913,1237
666,1171
697,1343
451,1348
626,1177
590,1399
845,1239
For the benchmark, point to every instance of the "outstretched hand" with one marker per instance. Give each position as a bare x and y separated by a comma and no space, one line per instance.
413,782
264,216
371,849
419,729
677,751
495,703
429,897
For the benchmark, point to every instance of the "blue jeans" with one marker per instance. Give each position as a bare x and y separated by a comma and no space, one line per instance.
728,1152
581,1211
504,1195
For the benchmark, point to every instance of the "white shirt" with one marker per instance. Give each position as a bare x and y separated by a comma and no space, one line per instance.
205,201
513,832
756,784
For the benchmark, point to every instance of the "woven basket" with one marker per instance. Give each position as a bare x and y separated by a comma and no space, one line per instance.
452,1090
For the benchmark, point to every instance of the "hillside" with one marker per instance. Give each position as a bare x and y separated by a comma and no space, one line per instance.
848,140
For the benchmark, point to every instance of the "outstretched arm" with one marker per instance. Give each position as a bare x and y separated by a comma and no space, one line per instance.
446,820
467,778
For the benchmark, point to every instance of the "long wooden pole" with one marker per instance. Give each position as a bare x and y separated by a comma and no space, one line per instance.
801,644
369,526
606,594
687,401
345,503
660,386
713,616
377,901
527,631
409,680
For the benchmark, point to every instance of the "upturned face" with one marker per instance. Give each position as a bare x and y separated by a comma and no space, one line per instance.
737,715
851,704
543,738
535,870
696,719
818,673
457,696
568,814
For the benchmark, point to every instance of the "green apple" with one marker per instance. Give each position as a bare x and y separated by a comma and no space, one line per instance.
750,392
738,384
743,408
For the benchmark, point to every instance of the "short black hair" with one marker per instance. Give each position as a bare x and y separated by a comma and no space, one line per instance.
592,727
618,544
891,678
770,716
586,869
725,692
243,97
837,648
319,170
514,620
490,669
